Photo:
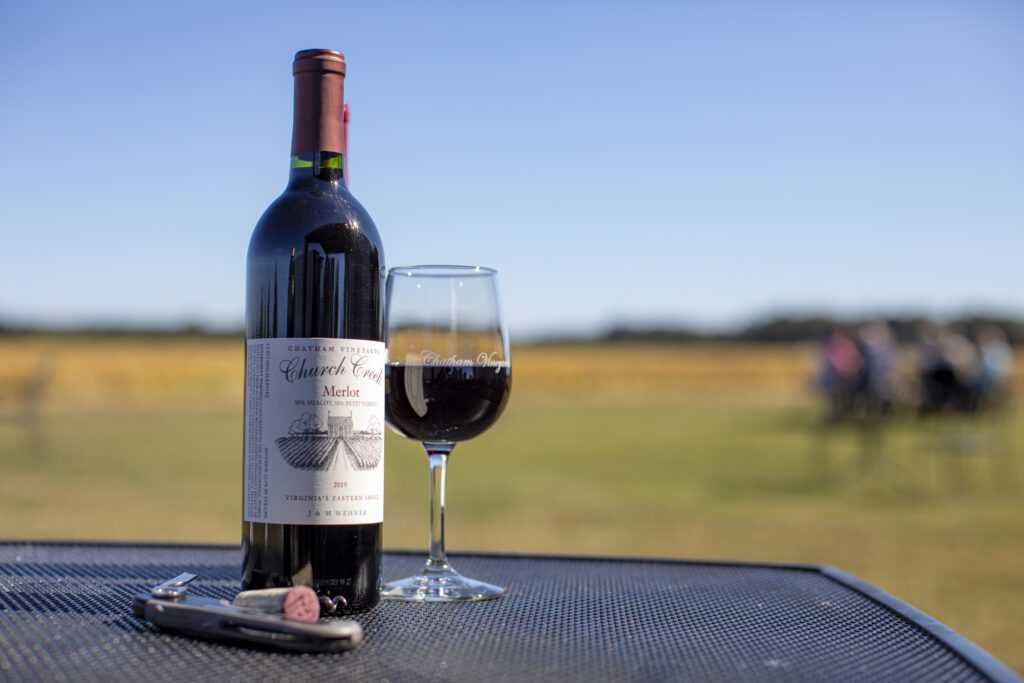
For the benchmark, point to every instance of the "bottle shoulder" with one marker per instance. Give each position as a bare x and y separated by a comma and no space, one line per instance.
334,220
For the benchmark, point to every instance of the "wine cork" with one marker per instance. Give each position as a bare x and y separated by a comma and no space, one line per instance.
297,602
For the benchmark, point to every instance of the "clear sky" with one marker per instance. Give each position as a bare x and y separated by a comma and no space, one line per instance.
696,162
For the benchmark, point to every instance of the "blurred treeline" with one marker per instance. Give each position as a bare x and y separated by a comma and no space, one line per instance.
768,330
783,329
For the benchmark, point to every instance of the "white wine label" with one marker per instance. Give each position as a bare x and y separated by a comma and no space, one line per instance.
314,431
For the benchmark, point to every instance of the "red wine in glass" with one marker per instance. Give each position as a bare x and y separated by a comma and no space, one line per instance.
444,403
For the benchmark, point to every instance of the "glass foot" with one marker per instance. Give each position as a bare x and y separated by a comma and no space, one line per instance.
447,586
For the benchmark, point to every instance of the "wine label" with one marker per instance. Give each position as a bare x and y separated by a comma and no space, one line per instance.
314,431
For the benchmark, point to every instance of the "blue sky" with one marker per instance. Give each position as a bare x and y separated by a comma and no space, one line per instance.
649,162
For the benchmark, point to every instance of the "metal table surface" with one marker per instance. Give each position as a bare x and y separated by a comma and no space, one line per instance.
65,615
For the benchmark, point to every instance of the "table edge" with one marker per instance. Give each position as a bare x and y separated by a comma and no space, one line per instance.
981,659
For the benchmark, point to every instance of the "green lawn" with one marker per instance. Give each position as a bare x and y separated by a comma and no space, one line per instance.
723,475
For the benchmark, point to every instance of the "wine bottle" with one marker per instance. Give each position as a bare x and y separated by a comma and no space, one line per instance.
314,389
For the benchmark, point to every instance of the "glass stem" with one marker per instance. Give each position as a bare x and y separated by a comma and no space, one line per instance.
437,453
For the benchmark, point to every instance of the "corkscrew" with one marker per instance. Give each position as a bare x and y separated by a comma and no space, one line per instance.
283,618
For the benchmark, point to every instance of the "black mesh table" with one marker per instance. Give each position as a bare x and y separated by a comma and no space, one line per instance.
65,615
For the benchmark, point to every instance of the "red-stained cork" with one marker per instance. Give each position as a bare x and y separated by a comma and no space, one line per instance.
298,603
301,604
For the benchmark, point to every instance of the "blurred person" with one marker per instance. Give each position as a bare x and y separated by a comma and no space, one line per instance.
841,374
950,368
995,365
858,379
877,345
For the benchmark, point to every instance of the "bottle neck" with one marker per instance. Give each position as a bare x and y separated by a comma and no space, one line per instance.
323,169
318,125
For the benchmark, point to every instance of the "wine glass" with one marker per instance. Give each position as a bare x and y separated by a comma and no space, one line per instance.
447,380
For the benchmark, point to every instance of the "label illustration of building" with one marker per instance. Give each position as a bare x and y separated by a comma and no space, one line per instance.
312,446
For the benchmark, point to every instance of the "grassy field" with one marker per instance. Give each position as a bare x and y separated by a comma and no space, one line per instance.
702,452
